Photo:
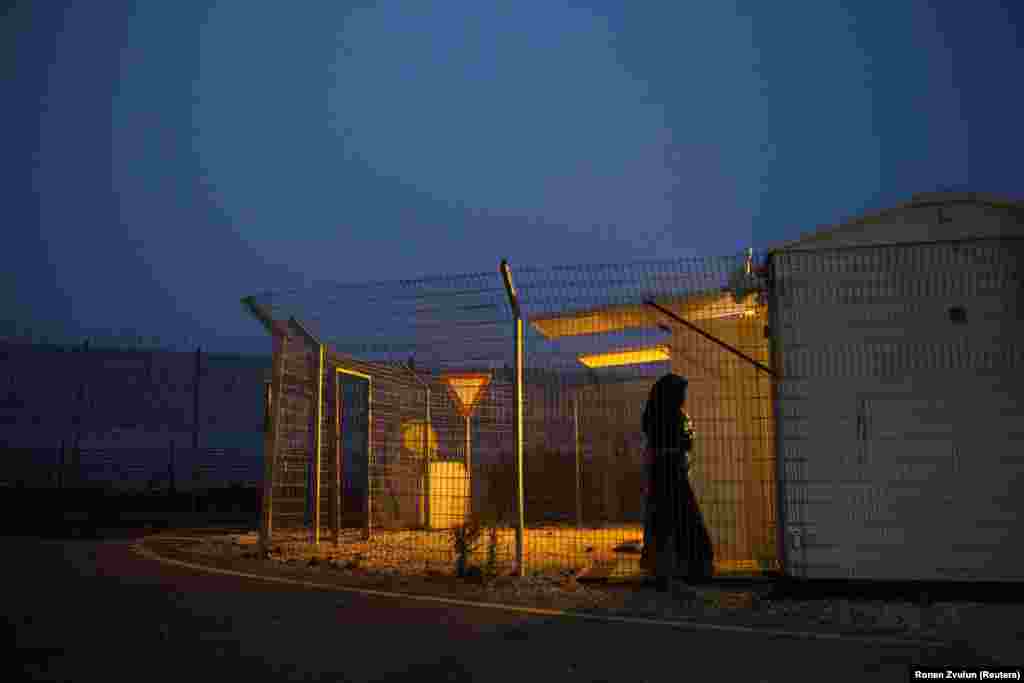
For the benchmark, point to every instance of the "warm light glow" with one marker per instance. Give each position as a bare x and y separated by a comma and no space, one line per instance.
732,314
449,494
650,354
412,437
616,318
613,319
466,389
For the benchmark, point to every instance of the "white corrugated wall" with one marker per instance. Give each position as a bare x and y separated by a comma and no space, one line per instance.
901,410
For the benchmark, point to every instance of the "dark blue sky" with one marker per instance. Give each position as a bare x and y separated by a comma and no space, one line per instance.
162,159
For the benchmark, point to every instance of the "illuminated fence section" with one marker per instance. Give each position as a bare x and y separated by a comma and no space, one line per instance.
412,383
627,326
293,391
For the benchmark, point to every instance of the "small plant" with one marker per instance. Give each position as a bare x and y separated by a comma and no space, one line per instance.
492,550
356,560
465,538
766,558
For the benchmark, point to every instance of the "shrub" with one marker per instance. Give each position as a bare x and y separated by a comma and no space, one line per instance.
465,539
492,551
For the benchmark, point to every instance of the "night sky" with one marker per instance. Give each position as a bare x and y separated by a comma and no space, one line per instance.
160,159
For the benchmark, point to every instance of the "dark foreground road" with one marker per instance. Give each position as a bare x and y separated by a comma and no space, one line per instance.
95,611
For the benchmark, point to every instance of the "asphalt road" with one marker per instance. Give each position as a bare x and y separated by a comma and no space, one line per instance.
91,610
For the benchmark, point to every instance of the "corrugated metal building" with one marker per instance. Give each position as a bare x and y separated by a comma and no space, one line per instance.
900,401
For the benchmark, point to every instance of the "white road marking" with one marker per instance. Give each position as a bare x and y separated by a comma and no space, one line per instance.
538,611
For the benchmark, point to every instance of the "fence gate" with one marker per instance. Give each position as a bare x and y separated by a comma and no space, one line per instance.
351,443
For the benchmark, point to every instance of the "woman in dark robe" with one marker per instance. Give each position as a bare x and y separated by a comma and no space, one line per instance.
676,540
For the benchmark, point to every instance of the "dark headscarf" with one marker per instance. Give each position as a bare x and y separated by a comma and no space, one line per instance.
662,421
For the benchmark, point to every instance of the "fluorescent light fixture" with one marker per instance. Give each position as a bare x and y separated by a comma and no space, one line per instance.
732,314
648,354
617,318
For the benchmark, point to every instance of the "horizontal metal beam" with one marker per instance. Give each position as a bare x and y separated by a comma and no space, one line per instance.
353,373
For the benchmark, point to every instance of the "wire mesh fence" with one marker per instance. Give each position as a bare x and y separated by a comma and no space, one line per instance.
393,409
66,489
131,470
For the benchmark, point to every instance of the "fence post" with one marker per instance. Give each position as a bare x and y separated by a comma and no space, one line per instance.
195,402
60,467
579,474
76,461
368,531
426,459
775,355
172,486
318,440
280,342
517,403
336,459
469,469
521,512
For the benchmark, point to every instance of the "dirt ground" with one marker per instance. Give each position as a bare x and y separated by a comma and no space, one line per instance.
404,562
97,610
547,551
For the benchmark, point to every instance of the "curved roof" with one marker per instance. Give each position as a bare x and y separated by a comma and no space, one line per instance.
930,216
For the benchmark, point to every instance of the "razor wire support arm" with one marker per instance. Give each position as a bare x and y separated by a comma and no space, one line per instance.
517,402
714,340
264,317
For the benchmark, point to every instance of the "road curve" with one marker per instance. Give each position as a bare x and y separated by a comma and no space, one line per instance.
95,610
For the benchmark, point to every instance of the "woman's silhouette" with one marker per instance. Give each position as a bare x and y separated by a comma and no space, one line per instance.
676,541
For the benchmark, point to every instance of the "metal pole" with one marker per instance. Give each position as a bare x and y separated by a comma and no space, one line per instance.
172,483
576,433
195,404
775,353
318,441
60,467
336,474
425,499
368,532
517,402
426,459
281,341
469,469
520,567
279,334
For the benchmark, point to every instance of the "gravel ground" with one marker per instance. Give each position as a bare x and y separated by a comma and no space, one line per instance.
562,591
